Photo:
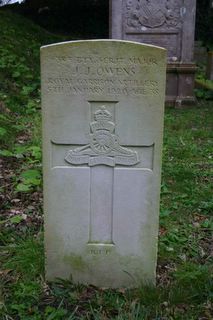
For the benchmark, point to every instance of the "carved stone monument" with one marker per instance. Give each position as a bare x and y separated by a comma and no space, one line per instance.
209,68
169,24
200,53
103,108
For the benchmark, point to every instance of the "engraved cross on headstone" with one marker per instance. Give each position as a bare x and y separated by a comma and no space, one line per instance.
103,154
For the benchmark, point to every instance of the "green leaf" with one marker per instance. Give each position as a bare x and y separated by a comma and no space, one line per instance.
16,219
21,187
32,181
36,152
199,93
6,153
206,224
20,151
31,174
165,213
16,74
3,221
27,90
3,132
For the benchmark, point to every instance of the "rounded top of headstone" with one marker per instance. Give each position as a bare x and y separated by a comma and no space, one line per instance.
102,41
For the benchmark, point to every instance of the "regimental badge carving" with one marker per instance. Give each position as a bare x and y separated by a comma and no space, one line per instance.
152,14
104,147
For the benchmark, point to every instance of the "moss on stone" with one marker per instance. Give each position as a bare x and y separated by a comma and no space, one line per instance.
76,261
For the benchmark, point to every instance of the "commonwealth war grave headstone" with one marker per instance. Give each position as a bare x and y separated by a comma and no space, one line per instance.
169,24
103,109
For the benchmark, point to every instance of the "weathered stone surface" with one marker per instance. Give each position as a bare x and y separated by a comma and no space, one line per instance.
103,107
169,24
200,53
209,69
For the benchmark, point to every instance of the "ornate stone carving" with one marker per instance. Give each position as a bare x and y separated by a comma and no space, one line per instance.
152,13
104,147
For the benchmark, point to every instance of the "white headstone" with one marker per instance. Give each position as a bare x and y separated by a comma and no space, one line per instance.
103,109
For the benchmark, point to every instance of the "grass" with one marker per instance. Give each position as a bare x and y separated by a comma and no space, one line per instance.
184,281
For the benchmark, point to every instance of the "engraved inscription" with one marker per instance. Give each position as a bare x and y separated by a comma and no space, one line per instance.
104,147
85,75
100,86
152,14
104,61
100,252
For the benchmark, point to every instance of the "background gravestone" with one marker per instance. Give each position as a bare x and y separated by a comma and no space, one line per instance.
169,24
209,70
200,53
103,110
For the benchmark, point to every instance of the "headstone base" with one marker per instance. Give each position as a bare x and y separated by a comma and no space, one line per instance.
180,84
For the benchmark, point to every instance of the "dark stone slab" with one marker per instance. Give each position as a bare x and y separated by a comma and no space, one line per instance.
200,53
209,69
169,24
